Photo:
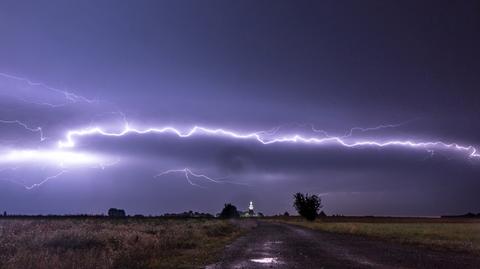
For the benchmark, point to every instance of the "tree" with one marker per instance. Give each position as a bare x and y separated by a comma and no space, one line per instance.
229,211
307,205
116,213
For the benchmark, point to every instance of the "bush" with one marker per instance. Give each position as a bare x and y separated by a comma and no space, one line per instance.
116,213
307,206
229,211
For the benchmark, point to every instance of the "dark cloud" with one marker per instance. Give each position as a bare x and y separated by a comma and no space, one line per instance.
247,66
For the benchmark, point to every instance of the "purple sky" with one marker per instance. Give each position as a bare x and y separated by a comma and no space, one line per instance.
314,94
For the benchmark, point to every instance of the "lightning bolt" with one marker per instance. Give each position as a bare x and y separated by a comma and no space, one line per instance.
352,130
120,114
185,171
45,180
101,165
376,128
69,96
69,141
189,173
26,127
324,133
273,131
36,185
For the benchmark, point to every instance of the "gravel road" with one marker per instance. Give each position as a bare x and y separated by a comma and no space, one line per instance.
275,245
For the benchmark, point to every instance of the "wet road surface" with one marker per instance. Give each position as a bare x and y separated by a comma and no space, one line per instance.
276,245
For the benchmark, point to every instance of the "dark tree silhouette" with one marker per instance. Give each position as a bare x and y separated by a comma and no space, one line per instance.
116,213
307,206
229,211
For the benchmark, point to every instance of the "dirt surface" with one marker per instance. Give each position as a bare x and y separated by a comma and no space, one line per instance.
276,245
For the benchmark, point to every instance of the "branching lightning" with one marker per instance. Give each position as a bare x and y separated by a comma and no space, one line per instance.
353,130
315,137
189,173
45,180
69,96
26,127
376,128
36,185
348,142
349,133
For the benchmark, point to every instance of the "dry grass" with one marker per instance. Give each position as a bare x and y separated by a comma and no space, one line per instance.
453,235
104,243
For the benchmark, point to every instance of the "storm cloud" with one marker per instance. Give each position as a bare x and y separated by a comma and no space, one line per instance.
361,71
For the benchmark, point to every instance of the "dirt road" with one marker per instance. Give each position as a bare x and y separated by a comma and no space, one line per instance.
274,245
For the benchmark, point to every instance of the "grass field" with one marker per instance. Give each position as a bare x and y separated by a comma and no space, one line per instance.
117,243
450,234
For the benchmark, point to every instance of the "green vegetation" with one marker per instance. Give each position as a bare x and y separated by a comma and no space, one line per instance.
453,235
113,243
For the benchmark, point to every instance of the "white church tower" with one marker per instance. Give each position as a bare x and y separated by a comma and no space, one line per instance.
251,213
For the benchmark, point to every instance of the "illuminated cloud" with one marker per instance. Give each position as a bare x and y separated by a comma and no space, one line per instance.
55,157
337,99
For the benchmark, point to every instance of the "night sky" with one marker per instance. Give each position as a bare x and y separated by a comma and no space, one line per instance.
373,105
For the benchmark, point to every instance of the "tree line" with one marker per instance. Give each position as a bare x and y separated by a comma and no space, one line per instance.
307,206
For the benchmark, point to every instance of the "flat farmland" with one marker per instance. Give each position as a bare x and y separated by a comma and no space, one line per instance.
453,234
112,243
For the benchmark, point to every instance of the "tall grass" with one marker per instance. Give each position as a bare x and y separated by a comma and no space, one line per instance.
447,234
103,243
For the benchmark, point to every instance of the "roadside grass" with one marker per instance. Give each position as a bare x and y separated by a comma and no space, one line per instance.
117,243
452,235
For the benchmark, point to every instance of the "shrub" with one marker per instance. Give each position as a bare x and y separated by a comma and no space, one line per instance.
117,213
307,206
229,211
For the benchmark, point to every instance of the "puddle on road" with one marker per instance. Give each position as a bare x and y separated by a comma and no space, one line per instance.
273,242
265,260
269,245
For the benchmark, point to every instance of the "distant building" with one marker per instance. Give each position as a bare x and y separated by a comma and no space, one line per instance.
250,212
